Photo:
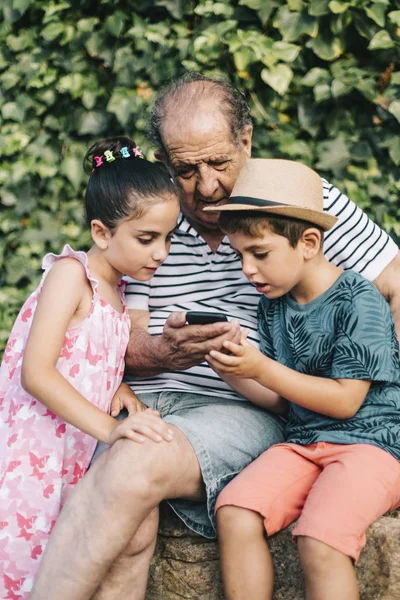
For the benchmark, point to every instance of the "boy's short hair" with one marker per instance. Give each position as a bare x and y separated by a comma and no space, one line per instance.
253,223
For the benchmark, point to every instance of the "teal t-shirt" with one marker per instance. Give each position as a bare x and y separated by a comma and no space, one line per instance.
346,333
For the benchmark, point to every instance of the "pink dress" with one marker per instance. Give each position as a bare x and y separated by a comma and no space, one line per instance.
42,456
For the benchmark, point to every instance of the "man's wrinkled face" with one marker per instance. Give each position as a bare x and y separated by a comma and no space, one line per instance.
205,160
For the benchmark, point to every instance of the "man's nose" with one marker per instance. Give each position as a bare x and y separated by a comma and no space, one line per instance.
207,183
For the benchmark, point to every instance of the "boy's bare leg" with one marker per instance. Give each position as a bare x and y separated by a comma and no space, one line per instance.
107,508
127,577
330,574
247,569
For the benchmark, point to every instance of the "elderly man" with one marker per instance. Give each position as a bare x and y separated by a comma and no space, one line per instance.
103,542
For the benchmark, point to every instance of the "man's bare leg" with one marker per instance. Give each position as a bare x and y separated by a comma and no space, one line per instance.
127,577
107,508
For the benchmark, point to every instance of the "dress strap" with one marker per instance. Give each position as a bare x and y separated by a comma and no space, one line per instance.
67,252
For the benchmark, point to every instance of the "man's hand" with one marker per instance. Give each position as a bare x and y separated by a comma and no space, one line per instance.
244,360
141,425
187,345
124,397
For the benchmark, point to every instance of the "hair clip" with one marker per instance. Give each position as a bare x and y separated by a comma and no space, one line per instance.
125,152
109,156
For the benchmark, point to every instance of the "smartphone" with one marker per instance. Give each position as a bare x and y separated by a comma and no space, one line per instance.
204,318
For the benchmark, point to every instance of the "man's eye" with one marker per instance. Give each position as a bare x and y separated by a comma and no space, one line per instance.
185,173
220,166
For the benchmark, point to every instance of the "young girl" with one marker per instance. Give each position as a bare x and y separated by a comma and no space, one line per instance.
65,357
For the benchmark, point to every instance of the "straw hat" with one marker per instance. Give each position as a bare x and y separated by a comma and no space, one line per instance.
279,187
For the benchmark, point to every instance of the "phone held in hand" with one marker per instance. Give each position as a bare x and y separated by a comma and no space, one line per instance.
204,318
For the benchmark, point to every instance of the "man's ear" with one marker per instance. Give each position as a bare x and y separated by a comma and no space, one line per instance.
161,156
100,234
246,137
311,239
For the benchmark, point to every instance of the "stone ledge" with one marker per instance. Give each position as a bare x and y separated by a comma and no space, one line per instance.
186,566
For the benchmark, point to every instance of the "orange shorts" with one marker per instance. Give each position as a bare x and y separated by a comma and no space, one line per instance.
336,490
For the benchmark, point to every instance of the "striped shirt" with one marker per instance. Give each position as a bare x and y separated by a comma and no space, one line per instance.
195,278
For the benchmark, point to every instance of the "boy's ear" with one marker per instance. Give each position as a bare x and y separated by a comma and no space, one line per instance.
311,239
100,234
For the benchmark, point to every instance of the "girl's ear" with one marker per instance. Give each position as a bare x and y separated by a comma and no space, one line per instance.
100,234
311,239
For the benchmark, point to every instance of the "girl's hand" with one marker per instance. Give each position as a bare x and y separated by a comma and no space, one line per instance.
244,360
141,425
124,397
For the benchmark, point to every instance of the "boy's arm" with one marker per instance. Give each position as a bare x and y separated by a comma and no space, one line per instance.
254,391
336,398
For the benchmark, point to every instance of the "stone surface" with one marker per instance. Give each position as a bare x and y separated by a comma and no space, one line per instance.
186,567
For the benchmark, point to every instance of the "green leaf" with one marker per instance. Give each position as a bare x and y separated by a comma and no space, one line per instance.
340,88
91,123
71,167
394,17
394,108
394,150
322,91
318,8
314,76
326,49
254,4
293,25
278,78
86,25
338,7
21,5
114,24
285,51
377,12
333,154
52,31
395,79
13,111
380,41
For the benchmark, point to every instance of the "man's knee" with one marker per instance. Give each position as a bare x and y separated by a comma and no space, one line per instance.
130,470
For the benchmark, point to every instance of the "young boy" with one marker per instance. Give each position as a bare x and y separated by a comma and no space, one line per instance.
329,350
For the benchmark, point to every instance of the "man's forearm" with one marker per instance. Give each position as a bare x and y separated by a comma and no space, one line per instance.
145,355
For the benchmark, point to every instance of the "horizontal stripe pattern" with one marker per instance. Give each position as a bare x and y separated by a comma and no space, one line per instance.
195,278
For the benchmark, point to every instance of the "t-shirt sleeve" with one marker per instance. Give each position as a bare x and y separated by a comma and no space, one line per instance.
264,331
355,242
137,294
365,343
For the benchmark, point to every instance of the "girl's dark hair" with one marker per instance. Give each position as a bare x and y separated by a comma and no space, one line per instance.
253,223
122,188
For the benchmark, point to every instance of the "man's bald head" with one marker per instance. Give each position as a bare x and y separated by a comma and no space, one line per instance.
186,96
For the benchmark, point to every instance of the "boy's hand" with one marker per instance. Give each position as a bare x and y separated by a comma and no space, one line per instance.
243,361
124,397
141,425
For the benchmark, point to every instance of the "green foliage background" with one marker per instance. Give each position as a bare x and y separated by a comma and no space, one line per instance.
322,78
